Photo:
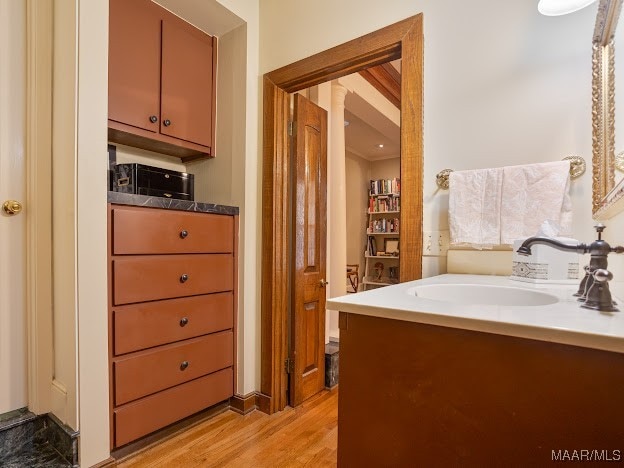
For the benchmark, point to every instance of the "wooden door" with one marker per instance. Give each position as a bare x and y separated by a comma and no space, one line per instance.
13,352
187,82
307,350
134,64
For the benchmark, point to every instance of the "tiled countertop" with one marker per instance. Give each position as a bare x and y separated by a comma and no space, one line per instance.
169,203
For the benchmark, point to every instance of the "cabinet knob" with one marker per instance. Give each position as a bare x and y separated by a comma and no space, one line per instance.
184,278
184,365
183,234
153,119
183,321
323,283
166,122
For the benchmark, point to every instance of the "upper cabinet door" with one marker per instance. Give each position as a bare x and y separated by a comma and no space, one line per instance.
134,64
187,83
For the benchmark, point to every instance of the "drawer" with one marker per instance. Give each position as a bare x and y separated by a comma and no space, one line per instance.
171,365
157,411
157,231
150,278
149,324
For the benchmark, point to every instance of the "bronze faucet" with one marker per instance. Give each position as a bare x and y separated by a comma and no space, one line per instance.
594,288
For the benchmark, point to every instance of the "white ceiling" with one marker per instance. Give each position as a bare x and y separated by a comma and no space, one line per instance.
363,138
368,128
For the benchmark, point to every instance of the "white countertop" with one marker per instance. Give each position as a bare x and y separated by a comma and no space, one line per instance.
563,322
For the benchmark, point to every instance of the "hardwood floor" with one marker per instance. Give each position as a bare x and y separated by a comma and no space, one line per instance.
303,436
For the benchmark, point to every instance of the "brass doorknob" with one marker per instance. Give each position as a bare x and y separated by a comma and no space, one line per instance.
323,283
12,207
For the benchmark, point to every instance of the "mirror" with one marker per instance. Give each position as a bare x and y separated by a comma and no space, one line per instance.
608,140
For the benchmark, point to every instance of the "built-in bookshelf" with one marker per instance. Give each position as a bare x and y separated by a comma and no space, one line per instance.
382,234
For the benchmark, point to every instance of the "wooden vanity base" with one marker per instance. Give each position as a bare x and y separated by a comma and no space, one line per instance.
422,395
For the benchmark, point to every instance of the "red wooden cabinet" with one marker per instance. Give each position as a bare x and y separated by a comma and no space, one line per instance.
162,81
134,64
172,316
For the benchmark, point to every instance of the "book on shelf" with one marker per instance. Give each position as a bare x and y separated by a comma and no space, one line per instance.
385,186
372,246
384,225
382,203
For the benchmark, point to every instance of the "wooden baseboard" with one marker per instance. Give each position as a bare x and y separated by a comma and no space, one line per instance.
244,404
109,462
263,402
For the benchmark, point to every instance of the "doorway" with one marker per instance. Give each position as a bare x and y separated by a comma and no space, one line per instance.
402,40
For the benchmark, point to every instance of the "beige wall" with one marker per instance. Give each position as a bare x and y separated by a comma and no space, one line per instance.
357,185
503,84
386,168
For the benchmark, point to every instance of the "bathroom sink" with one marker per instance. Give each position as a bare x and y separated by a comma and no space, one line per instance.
481,294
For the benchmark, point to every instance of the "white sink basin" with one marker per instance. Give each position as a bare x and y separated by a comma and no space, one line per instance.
481,294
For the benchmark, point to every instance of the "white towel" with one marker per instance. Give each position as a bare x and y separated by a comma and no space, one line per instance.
474,207
532,194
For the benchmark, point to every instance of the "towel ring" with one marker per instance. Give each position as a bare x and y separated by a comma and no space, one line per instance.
577,169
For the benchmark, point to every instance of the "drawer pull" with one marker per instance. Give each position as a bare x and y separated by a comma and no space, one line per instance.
184,278
183,321
184,365
183,233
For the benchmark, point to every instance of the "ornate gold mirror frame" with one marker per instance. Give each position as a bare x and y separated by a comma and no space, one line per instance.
607,197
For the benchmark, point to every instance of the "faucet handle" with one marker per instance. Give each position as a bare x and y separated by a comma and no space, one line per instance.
602,276
618,249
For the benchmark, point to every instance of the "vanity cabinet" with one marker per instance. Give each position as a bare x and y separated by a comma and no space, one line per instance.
172,289
162,81
416,394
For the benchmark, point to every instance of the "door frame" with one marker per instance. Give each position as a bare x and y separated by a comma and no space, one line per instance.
400,40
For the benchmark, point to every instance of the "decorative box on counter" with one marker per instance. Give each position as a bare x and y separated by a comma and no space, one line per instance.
546,264
155,181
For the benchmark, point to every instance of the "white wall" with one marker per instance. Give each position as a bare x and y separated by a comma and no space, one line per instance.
222,179
503,84
91,230
64,391
80,385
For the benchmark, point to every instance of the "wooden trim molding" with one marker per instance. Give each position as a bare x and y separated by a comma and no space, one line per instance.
385,79
39,34
244,404
400,40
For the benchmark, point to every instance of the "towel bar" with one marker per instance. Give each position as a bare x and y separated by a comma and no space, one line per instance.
577,169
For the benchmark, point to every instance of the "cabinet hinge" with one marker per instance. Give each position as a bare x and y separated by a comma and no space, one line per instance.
289,365
291,128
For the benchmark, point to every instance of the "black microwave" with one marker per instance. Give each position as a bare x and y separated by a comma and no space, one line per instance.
153,181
